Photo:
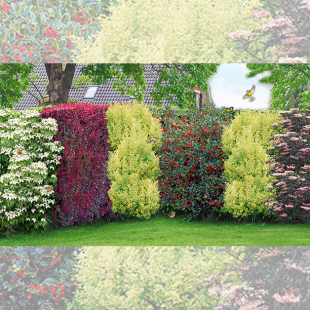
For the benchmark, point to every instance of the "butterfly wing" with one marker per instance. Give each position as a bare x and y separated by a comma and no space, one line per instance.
253,89
245,96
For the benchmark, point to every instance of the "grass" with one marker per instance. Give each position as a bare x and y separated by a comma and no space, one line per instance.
163,231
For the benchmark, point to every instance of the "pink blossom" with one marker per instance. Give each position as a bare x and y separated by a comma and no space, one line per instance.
293,40
274,23
283,215
293,60
306,5
287,298
239,33
259,13
290,205
306,208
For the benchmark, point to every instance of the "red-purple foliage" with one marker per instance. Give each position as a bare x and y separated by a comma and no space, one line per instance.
275,278
291,167
82,183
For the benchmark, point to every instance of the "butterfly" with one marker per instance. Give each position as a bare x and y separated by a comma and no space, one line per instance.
171,214
249,94
153,141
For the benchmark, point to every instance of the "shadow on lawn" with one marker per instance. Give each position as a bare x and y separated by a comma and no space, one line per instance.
207,217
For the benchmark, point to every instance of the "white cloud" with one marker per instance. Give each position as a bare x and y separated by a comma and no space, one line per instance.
229,85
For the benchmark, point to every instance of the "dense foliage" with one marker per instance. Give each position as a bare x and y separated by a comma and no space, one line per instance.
37,277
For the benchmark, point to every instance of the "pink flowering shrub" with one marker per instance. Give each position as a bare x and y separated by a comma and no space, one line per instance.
283,36
273,278
291,167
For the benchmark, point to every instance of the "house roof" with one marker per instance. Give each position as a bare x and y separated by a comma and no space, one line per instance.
104,95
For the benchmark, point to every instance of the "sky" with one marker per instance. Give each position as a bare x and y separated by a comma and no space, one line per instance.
229,85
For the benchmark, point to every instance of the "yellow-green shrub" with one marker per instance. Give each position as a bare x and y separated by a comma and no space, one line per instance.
134,197
132,169
147,277
260,124
122,117
246,142
169,31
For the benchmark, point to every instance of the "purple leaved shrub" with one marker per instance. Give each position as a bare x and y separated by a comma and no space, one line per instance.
270,278
82,183
291,167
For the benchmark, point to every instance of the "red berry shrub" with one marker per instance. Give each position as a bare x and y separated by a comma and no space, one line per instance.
82,183
37,277
291,167
274,278
191,160
32,33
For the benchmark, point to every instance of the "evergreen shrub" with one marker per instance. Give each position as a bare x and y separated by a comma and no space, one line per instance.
147,277
246,141
191,160
132,169
37,277
121,117
133,166
246,172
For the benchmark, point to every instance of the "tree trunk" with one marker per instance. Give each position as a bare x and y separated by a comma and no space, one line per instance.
60,82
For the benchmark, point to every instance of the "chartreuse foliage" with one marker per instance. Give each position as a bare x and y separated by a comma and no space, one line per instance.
147,277
260,124
133,166
169,31
191,160
246,141
121,117
37,277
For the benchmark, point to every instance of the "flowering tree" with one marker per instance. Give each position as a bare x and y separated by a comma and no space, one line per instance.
282,37
40,31
175,81
291,83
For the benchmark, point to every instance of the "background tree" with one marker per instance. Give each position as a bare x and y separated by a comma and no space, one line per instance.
283,35
291,83
175,81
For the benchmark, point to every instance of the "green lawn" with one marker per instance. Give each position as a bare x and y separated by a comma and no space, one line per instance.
163,231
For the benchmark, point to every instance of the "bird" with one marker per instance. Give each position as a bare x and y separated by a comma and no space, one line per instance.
153,141
20,151
229,109
171,214
249,94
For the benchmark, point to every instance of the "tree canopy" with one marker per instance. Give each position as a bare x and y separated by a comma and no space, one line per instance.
291,83
175,82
